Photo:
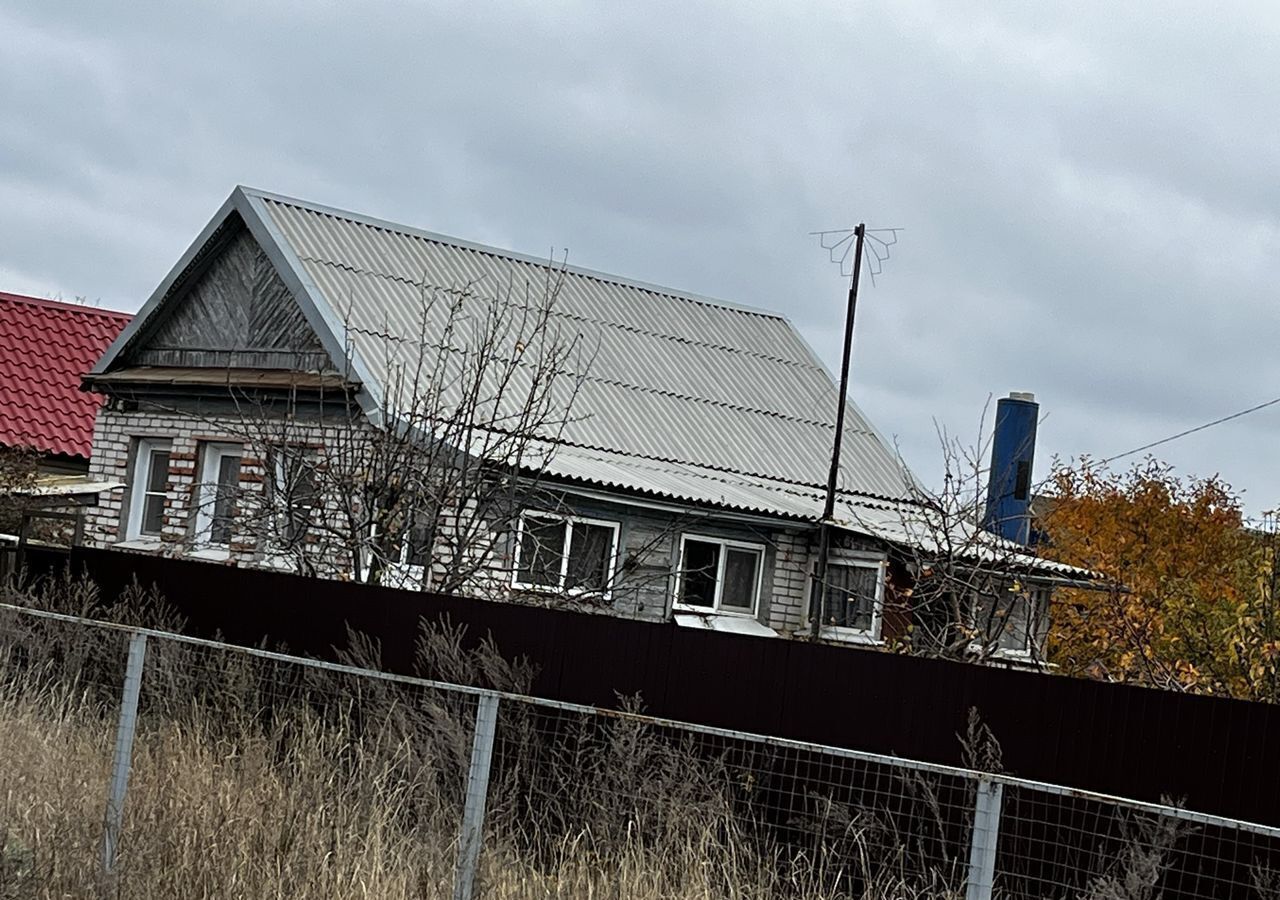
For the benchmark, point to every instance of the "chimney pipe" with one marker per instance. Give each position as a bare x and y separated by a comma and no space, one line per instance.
1013,451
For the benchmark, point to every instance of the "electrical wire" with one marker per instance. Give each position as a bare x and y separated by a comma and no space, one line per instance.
1182,434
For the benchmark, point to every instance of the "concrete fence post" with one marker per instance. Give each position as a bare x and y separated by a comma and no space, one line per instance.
123,756
983,840
477,794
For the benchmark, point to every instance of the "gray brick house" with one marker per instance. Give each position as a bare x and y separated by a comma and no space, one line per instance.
687,483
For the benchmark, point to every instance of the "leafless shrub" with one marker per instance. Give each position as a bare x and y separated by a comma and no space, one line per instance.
1143,860
979,748
1265,881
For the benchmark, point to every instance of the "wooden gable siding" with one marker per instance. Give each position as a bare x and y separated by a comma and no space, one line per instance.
236,313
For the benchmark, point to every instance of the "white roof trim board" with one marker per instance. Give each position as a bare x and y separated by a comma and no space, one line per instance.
689,398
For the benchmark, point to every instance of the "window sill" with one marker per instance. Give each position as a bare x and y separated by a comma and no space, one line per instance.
1018,659
724,622
851,636
704,611
211,554
277,562
149,544
570,594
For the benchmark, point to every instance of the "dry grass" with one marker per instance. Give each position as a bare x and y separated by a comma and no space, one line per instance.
256,780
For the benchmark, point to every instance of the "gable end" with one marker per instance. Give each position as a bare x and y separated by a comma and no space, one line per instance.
232,311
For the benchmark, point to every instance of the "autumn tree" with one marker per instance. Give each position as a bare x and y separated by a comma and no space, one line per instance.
1188,597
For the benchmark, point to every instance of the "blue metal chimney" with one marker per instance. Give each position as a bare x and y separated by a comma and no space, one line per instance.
1013,452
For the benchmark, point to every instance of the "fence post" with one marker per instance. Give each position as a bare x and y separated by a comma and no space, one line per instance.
477,793
983,840
123,755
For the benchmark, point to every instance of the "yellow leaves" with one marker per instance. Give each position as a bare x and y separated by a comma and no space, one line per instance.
1191,607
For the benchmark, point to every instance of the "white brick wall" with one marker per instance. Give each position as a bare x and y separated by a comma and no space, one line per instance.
116,432
786,611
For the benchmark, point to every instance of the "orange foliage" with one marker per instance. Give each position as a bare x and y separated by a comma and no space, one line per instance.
1188,604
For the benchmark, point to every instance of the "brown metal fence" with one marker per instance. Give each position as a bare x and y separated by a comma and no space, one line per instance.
1216,755
469,792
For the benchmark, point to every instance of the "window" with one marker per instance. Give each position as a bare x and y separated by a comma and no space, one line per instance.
719,575
1010,619
854,597
1022,481
420,537
294,492
147,494
565,553
216,493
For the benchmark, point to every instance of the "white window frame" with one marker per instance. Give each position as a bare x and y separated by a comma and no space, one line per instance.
716,608
138,492
211,455
844,632
570,521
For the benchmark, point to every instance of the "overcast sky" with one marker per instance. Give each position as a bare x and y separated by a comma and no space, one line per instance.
1091,197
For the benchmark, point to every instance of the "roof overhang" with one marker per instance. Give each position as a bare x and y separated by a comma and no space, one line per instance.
260,379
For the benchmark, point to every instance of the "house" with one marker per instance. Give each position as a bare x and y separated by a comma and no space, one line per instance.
646,452
45,348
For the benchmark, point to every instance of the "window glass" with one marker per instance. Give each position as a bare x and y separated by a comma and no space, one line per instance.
739,591
851,596
421,539
565,553
156,477
296,492
224,495
217,493
590,554
1005,620
541,551
701,568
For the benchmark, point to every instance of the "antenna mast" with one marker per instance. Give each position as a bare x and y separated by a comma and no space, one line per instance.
839,245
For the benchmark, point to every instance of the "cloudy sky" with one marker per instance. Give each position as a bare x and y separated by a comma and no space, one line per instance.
1091,196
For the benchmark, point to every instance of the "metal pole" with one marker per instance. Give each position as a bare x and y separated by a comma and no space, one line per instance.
477,793
983,841
123,756
824,535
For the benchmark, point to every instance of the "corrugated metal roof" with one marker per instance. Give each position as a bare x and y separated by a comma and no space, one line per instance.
675,378
898,522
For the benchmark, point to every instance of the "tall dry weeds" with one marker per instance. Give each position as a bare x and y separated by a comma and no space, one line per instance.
253,778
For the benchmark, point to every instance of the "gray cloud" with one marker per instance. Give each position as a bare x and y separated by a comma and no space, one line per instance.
1090,195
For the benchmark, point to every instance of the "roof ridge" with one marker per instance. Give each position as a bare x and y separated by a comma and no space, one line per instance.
511,255
42,302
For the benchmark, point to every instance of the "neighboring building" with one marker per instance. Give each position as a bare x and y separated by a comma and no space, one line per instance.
45,348
688,482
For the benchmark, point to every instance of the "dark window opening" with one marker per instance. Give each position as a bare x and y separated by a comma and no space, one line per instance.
1022,482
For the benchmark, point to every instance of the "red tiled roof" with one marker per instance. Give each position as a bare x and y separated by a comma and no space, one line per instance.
45,347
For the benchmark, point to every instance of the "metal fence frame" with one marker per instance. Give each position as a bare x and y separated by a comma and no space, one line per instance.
990,788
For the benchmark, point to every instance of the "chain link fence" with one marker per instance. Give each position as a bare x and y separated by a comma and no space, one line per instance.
141,763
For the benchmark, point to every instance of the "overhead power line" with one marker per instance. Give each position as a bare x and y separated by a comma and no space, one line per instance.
1182,434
